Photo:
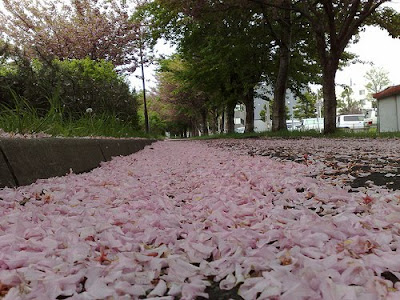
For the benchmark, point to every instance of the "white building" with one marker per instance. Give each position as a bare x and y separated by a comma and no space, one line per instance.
359,94
263,94
389,109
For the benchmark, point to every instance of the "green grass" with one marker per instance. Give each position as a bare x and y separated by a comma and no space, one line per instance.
24,119
371,133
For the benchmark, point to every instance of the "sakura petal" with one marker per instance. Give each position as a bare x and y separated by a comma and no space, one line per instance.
99,290
159,290
175,289
193,290
13,294
228,283
123,287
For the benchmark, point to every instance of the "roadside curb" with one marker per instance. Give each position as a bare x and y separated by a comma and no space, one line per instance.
23,161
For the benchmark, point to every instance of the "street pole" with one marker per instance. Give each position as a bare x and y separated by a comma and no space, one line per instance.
291,112
146,116
319,114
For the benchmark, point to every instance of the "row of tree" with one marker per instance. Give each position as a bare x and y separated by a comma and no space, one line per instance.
376,78
225,48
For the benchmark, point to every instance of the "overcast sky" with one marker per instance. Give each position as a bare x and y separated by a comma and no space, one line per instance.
376,47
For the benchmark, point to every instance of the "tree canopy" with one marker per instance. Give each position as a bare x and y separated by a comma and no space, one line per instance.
74,29
189,105
225,48
233,46
377,80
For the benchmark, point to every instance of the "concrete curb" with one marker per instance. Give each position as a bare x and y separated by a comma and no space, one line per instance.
23,161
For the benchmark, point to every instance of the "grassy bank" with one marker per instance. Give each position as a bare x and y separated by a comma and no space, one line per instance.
22,118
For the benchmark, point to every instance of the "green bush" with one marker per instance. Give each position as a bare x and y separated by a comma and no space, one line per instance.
76,85
22,118
90,84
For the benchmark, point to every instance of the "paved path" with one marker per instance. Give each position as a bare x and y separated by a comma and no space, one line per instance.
183,220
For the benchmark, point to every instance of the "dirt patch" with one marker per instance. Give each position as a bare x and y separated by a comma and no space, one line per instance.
216,293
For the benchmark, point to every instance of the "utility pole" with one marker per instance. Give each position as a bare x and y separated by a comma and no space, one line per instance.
146,116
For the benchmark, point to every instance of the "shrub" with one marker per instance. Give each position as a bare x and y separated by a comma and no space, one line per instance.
78,84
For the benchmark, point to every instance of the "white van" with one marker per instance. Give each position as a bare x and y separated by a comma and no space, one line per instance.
355,121
371,118
293,125
312,124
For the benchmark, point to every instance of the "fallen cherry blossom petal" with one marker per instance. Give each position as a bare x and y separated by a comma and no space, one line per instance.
165,222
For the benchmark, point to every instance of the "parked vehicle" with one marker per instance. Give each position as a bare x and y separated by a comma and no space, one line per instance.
355,121
295,125
239,130
371,118
312,124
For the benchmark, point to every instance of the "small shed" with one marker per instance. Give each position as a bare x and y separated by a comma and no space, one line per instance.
389,109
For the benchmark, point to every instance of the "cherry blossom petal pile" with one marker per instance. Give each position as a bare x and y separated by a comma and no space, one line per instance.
171,220
363,164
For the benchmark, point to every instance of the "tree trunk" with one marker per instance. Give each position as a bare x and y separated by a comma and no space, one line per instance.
222,125
204,121
329,93
230,116
285,41
279,116
249,103
214,123
194,129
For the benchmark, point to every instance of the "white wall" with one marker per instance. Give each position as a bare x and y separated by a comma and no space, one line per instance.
389,114
360,94
260,126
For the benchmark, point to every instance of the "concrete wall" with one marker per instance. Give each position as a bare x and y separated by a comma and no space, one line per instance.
389,114
23,161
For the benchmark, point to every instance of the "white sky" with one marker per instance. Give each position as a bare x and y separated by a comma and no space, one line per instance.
375,47
149,72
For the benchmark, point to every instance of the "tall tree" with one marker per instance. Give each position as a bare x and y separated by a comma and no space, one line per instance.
377,80
73,29
333,24
226,47
280,23
189,103
231,49
306,106
245,42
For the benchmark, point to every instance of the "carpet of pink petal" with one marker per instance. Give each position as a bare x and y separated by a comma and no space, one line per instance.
175,218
